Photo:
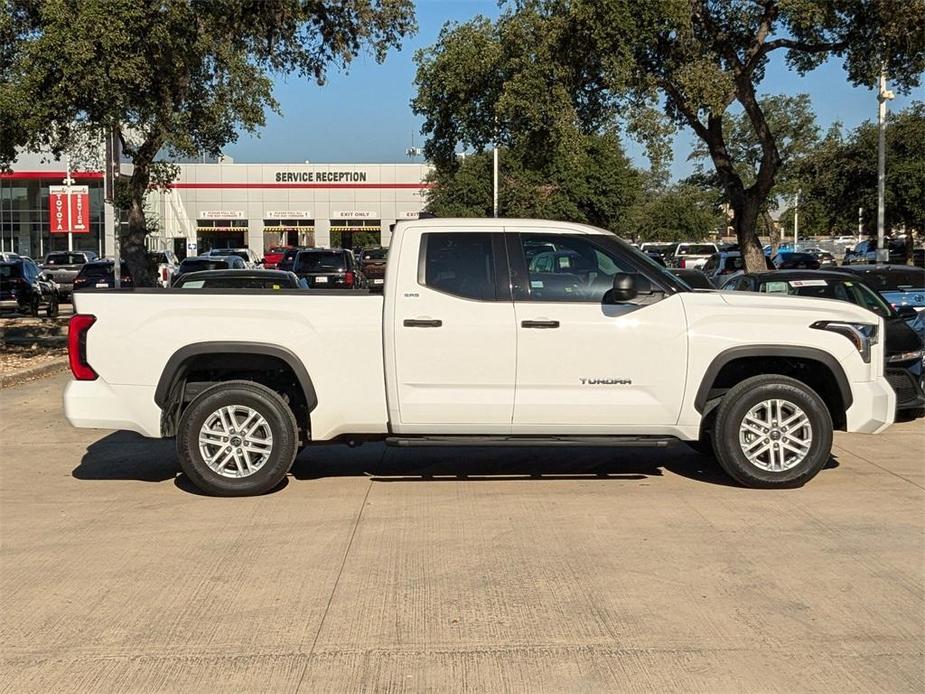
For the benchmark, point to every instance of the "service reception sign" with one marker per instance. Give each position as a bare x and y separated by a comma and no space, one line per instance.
69,209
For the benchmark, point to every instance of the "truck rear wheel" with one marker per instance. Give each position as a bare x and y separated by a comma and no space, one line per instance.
772,431
237,438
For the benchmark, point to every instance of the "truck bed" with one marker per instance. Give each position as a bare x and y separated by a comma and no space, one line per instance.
337,335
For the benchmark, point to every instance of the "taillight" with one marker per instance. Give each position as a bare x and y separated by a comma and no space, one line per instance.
77,329
348,278
683,263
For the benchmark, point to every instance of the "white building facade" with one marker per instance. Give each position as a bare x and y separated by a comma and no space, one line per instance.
228,205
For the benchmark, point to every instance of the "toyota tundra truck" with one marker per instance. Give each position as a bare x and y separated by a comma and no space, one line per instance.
472,344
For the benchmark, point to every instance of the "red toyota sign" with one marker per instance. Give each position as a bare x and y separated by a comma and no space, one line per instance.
69,211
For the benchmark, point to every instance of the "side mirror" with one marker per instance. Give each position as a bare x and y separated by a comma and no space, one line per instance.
627,286
907,312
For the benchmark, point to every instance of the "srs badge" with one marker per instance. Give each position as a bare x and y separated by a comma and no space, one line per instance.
605,381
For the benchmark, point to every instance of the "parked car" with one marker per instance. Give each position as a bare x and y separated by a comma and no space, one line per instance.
469,347
240,279
26,289
198,263
695,279
166,263
904,347
692,256
795,261
901,285
63,266
99,274
288,260
329,268
659,252
826,259
865,252
251,259
372,265
273,256
8,256
720,265
845,240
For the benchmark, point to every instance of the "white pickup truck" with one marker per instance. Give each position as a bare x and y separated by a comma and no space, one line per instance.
472,343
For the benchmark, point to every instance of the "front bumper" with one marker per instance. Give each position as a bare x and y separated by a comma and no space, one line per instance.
874,407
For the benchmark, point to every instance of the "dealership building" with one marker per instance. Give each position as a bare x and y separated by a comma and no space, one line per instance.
222,205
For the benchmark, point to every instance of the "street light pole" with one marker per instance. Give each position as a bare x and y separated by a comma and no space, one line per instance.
884,95
494,169
796,219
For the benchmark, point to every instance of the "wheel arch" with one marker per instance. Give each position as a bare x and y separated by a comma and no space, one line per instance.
168,394
783,359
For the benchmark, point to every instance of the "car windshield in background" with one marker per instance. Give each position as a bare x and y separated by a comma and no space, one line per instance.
798,257
65,259
159,258
893,280
376,254
9,270
94,270
315,261
234,283
197,265
696,249
853,292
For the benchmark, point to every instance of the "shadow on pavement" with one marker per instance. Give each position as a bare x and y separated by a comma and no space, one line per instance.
127,456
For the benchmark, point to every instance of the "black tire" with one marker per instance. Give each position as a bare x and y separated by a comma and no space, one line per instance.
34,307
270,406
52,310
739,400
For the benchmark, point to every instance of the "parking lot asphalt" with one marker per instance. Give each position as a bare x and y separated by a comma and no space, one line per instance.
482,570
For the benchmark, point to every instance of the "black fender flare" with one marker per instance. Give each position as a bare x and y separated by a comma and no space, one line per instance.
794,351
175,368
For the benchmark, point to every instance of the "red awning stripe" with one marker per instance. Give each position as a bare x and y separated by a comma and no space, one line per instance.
232,186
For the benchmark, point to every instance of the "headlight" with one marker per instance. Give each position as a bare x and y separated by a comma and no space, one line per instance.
906,356
862,335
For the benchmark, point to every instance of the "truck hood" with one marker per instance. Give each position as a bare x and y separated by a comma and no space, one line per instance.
814,309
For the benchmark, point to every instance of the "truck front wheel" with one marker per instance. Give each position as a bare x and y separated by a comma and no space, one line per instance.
772,431
237,438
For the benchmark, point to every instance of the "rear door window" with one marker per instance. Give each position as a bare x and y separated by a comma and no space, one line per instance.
459,263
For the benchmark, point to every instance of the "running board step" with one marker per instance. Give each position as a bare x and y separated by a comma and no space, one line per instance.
604,441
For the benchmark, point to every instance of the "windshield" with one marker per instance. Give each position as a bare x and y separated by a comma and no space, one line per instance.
375,254
274,282
696,249
841,290
9,270
894,280
65,259
320,261
203,264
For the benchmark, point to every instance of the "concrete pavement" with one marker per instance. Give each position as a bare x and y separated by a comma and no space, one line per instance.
454,570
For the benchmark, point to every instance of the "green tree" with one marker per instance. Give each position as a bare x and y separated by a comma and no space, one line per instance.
577,63
793,122
181,77
682,212
595,185
841,174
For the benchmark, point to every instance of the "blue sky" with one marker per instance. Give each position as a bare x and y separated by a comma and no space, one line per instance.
364,115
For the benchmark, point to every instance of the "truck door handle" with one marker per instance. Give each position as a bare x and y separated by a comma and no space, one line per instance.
422,323
542,324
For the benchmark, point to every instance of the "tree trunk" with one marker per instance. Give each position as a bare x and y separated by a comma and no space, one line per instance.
773,233
134,250
745,222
